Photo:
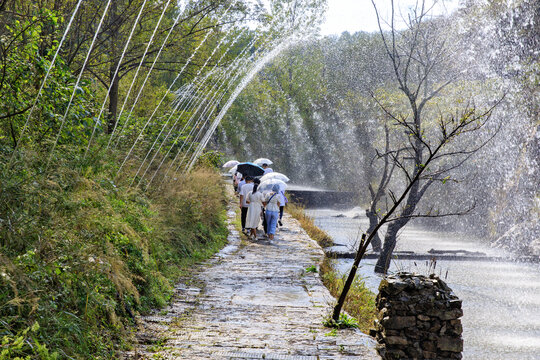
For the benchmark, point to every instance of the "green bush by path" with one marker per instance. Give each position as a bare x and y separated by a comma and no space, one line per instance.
80,256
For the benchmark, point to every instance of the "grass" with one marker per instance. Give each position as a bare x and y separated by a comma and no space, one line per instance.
345,322
297,212
81,255
360,301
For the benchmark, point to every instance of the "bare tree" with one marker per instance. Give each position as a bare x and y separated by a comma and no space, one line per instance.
377,192
435,141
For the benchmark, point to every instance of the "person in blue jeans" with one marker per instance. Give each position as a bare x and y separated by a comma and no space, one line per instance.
272,205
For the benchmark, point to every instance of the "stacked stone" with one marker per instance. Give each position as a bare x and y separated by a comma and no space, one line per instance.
419,318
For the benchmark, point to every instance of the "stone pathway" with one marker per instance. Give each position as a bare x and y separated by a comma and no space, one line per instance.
253,300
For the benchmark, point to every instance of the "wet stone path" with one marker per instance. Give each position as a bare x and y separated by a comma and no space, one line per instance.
253,300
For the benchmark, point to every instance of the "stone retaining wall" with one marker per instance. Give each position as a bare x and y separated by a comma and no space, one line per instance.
419,318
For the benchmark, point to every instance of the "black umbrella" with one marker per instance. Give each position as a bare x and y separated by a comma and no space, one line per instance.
249,169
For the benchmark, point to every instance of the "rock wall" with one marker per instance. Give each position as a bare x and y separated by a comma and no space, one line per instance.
419,318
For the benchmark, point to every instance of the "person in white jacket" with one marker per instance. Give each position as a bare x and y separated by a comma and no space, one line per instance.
244,190
255,200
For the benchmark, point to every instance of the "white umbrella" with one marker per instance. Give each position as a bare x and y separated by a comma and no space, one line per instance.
275,175
261,161
233,169
231,163
269,184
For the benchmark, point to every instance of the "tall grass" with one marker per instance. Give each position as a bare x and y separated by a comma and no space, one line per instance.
80,255
360,302
297,212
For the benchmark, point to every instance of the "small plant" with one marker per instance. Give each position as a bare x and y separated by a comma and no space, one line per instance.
24,345
344,322
333,332
311,269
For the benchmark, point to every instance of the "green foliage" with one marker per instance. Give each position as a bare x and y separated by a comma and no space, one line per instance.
24,345
31,37
332,332
83,255
212,159
312,269
25,61
344,322
359,303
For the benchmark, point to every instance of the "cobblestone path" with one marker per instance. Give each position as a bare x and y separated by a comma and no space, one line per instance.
253,300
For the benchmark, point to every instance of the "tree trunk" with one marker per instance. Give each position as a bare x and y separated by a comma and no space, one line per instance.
383,263
13,135
373,221
114,81
113,102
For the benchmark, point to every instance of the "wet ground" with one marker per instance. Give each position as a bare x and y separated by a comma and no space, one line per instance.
254,300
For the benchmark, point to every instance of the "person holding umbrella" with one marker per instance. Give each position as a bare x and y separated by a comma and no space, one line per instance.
272,210
267,169
255,201
244,191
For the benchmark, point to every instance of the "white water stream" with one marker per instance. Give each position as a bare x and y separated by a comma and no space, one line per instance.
126,46
501,300
150,42
76,86
50,67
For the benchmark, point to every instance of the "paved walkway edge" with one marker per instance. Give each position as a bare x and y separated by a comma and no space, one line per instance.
252,300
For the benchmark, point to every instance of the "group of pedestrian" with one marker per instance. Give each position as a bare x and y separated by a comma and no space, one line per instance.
257,207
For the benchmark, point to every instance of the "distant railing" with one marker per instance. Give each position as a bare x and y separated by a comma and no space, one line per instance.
321,198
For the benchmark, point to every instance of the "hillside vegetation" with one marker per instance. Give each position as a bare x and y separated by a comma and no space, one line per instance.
98,120
82,256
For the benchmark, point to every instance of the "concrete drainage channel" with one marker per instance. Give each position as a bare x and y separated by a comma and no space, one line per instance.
243,355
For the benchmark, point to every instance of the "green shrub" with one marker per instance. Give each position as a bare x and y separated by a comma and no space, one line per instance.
81,255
